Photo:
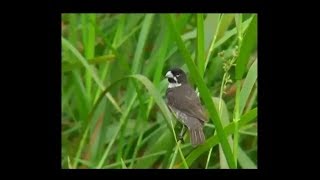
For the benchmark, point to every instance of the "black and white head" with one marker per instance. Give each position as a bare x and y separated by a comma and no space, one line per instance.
176,77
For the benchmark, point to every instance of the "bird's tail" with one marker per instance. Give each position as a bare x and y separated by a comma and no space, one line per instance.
197,136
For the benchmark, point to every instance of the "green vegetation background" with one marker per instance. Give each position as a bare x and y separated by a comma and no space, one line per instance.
113,107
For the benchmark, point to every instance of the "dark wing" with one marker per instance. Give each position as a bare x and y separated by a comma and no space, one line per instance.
185,99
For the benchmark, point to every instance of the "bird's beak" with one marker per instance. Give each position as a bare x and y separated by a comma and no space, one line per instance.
169,74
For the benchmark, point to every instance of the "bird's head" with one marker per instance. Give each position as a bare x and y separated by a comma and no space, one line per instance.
176,77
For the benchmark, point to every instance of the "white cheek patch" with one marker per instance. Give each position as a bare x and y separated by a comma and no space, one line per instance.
173,85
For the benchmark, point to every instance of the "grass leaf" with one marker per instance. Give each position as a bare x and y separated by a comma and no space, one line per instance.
249,43
141,42
123,164
200,44
248,86
245,161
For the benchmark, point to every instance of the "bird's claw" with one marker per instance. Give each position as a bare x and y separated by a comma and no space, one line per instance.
180,138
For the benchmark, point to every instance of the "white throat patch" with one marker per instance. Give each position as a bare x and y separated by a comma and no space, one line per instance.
173,85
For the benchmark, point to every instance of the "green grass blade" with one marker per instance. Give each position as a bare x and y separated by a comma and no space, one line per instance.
136,150
249,43
126,37
222,27
177,148
69,163
252,99
152,134
73,28
246,46
236,118
248,85
189,35
120,56
200,45
123,164
224,114
80,148
133,20
185,164
88,32
208,158
238,20
82,94
236,121
138,159
173,160
101,59
120,30
137,60
174,156
89,28
230,33
210,28
97,139
245,161
161,58
248,133
86,163
204,93
74,128
224,23
95,61
182,21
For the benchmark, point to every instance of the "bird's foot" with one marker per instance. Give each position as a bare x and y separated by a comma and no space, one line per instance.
180,138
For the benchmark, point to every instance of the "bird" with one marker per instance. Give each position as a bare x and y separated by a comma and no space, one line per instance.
185,104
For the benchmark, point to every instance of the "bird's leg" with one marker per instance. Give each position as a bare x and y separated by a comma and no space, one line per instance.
183,131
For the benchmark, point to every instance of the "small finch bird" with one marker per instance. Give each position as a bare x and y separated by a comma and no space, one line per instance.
183,101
